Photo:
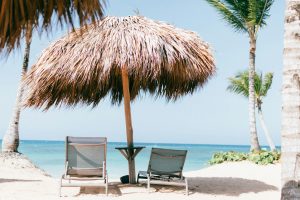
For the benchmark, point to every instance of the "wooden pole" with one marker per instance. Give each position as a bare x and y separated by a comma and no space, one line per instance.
129,130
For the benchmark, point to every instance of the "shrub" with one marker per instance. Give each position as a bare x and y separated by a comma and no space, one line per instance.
232,156
264,157
259,157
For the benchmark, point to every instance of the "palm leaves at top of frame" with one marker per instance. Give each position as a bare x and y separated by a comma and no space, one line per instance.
16,15
243,15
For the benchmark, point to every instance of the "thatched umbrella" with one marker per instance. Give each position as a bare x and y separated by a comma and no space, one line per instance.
120,57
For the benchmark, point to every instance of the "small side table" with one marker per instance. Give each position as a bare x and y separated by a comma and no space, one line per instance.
130,153
125,151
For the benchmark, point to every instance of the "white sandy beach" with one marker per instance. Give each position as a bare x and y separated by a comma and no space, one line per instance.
20,180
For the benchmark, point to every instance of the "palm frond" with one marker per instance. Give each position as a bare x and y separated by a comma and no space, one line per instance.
239,84
252,16
267,82
257,85
17,15
259,11
243,15
229,14
239,8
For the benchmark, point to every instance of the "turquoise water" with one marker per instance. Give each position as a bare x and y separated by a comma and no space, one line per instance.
50,155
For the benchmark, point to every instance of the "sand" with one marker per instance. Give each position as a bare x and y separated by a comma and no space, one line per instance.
21,180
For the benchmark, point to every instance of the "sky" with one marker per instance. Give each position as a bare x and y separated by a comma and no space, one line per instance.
211,116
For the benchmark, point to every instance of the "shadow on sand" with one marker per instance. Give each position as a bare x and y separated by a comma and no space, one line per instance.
228,186
206,185
4,180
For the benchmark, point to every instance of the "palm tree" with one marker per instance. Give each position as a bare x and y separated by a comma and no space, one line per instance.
246,16
290,127
19,19
240,85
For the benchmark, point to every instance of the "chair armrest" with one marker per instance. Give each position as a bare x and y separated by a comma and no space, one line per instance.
104,172
66,168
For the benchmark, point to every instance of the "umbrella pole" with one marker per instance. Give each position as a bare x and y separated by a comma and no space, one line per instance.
129,130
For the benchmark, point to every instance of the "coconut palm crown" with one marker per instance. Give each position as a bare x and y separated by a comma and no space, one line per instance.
244,15
239,84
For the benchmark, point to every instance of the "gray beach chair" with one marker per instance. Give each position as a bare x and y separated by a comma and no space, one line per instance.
85,163
165,168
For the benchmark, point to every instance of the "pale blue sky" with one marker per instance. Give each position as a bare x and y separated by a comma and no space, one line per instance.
211,116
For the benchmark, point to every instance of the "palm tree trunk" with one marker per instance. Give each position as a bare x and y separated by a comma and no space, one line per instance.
10,142
266,131
290,125
252,122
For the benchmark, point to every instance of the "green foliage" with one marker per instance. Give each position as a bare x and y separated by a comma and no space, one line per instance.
239,84
244,15
231,17
266,83
264,157
232,156
258,157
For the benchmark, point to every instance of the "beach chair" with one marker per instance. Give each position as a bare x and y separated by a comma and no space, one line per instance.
165,168
85,163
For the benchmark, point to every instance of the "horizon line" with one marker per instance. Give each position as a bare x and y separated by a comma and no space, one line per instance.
176,143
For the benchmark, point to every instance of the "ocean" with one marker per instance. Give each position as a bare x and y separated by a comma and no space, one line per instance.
50,155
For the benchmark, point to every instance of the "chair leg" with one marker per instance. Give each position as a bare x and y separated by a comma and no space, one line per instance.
186,187
59,189
137,178
148,183
106,186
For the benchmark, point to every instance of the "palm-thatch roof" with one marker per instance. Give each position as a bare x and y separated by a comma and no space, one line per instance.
84,68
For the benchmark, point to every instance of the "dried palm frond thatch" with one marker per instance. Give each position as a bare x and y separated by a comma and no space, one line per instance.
17,15
84,68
